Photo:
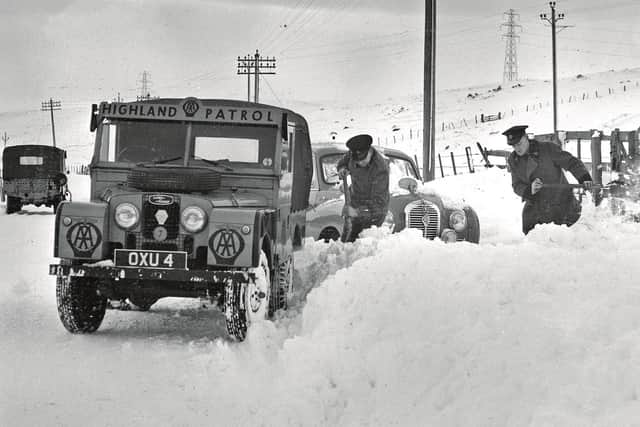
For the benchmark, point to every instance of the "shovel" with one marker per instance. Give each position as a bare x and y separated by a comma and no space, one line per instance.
348,221
597,189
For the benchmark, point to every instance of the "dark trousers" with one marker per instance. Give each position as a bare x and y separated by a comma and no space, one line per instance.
354,225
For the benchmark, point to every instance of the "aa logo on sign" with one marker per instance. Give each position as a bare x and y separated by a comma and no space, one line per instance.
226,245
190,107
84,238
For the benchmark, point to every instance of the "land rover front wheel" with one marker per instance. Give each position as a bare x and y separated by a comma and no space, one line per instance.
247,301
80,307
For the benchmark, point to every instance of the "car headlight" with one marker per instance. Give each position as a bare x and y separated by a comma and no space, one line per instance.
193,219
127,215
389,221
448,236
458,220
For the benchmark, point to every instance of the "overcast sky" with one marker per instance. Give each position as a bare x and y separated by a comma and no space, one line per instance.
81,52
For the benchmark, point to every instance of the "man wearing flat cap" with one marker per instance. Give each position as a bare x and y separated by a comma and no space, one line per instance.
534,163
369,190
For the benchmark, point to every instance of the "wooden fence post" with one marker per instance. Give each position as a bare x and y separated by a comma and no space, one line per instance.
616,152
633,144
596,156
453,163
469,159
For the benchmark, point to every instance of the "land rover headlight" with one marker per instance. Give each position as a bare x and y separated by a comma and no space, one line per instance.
193,219
458,220
127,215
389,221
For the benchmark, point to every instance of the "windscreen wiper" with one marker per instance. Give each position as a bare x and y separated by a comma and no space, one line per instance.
170,159
159,162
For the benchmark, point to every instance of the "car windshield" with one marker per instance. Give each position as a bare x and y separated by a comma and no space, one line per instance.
163,142
398,168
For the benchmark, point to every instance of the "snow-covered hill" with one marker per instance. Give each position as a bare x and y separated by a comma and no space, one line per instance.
390,330
398,121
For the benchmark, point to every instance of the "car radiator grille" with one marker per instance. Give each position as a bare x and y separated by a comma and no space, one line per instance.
152,218
425,216
150,214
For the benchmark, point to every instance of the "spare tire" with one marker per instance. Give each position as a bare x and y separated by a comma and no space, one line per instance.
173,179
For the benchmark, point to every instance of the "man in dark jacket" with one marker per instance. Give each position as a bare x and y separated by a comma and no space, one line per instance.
369,191
534,163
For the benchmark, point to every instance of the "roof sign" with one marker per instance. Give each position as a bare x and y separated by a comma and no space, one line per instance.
190,109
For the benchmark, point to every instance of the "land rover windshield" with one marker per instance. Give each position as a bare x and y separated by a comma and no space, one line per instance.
156,141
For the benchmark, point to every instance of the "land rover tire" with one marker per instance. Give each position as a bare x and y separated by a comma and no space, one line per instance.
13,204
280,286
80,307
173,179
247,301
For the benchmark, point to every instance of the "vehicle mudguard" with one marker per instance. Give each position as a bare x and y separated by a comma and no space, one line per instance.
80,230
234,237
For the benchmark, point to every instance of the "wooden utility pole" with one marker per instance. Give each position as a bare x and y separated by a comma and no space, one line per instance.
255,65
50,106
429,97
554,18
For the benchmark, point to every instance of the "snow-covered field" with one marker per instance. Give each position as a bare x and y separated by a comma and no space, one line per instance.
390,330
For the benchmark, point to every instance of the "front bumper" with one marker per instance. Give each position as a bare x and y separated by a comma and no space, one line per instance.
151,274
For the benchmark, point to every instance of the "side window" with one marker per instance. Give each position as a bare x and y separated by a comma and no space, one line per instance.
108,142
288,147
314,178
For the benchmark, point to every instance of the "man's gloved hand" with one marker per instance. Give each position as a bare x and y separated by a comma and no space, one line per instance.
536,185
588,185
343,172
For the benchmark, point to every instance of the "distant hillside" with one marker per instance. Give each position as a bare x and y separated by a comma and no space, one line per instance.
398,121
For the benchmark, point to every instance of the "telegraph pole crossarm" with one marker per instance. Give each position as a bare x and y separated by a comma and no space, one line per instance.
256,65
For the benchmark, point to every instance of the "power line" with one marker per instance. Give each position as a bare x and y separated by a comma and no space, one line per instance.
272,91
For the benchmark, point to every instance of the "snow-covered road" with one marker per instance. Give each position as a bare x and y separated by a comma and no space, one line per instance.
391,330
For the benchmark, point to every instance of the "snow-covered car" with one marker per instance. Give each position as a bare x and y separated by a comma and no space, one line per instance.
192,198
411,205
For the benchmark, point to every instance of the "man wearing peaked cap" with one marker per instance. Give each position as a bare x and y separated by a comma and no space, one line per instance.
514,133
359,142
369,190
536,163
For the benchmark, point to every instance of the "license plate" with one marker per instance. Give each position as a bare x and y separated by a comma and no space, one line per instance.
151,259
